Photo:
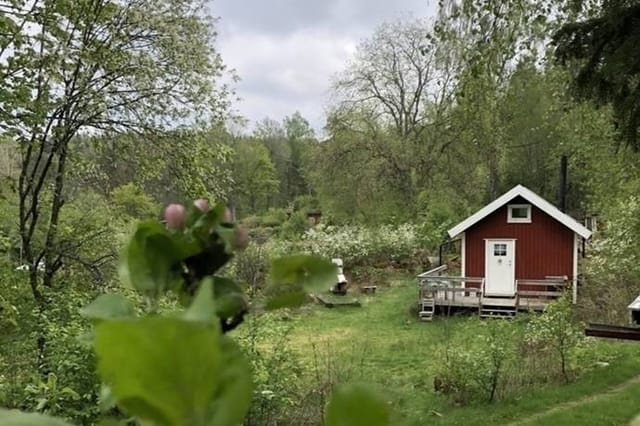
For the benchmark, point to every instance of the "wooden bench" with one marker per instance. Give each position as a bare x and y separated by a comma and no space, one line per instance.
369,289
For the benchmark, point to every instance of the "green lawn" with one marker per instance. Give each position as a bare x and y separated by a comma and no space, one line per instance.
384,344
611,409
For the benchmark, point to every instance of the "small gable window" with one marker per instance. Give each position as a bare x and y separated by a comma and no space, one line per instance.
519,213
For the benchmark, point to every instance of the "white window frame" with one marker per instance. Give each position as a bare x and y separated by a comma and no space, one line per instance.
511,219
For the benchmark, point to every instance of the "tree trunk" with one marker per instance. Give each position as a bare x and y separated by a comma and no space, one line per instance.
52,263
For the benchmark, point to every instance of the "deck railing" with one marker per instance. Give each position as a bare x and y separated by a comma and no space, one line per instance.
434,284
547,289
437,285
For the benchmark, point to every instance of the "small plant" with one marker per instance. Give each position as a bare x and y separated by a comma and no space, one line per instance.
182,368
557,328
250,268
477,370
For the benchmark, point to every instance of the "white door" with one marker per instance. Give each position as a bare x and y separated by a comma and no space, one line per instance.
500,267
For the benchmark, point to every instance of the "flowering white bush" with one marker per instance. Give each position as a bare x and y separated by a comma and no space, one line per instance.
616,251
355,245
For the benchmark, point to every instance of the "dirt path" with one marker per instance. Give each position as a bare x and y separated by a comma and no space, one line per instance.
577,402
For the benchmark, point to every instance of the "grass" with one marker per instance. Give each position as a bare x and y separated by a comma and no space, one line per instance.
384,344
616,408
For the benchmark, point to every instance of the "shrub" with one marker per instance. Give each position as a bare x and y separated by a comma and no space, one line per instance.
132,201
557,329
295,226
45,366
274,217
477,371
612,271
276,372
382,246
250,268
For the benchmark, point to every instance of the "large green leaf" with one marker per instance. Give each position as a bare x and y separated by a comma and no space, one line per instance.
108,306
293,276
18,418
230,298
203,306
235,387
166,370
284,296
356,405
148,261
312,272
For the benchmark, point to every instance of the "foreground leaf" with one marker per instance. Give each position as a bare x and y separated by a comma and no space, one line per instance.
203,307
292,277
108,306
356,405
18,418
284,296
230,298
312,272
235,387
165,370
147,262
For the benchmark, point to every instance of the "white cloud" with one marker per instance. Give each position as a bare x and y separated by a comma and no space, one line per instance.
286,51
284,73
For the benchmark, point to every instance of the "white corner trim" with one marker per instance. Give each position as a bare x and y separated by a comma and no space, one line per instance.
531,197
574,280
463,255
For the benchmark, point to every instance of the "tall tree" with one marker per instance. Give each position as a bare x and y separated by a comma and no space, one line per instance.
395,89
255,177
484,42
604,52
96,66
391,76
299,137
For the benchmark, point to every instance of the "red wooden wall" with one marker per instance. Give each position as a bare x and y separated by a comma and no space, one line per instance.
544,247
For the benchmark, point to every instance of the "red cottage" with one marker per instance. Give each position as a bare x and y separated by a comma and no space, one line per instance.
517,252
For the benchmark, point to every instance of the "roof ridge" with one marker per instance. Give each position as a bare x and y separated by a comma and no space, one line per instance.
533,198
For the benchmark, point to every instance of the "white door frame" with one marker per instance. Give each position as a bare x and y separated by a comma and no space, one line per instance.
488,254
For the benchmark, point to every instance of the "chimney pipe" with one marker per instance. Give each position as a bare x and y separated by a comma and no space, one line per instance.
562,189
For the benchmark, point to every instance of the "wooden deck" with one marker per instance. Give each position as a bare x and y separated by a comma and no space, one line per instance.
437,290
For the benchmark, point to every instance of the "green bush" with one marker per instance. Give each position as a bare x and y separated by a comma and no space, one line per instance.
477,371
274,217
295,226
612,269
91,233
44,365
251,221
276,370
497,358
250,268
132,201
558,330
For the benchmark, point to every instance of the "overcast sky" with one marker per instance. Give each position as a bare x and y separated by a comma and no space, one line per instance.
285,51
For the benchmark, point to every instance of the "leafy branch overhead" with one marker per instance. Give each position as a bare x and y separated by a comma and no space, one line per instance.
603,53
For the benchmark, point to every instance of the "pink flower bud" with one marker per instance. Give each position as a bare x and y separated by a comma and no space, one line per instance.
241,239
175,216
228,216
202,204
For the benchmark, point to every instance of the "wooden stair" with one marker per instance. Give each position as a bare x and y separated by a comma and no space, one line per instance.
427,309
492,308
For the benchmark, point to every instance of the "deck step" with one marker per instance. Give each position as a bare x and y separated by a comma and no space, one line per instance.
492,311
425,315
427,309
